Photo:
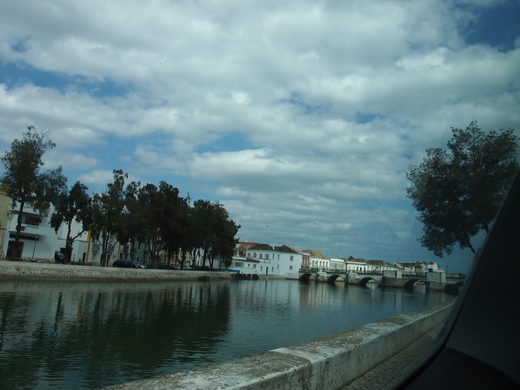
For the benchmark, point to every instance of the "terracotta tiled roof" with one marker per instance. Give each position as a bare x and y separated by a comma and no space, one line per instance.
284,248
378,262
316,253
247,244
298,250
356,259
261,247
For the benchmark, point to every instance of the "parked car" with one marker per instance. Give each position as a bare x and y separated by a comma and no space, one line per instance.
166,266
59,257
126,264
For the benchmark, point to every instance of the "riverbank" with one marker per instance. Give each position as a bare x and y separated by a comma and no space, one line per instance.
14,270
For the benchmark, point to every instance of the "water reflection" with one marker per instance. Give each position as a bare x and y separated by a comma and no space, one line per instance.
99,331
93,335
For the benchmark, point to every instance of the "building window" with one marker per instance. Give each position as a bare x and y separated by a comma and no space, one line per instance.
249,254
254,265
292,258
33,221
260,255
254,255
290,267
267,257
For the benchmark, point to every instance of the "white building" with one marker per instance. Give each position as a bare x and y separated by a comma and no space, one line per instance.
337,265
356,265
39,241
37,238
264,259
318,261
379,266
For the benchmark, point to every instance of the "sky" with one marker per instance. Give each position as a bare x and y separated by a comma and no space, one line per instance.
300,117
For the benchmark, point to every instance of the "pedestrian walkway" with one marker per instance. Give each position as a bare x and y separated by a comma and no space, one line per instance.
391,371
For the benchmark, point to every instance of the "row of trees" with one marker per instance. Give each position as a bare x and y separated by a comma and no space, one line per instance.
125,212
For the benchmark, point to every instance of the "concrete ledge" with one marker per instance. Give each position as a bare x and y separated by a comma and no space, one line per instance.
46,271
326,363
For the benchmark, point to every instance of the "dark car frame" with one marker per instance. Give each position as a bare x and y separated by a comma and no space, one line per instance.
479,346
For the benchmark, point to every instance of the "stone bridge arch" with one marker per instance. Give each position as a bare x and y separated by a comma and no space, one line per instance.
409,285
363,282
334,279
305,277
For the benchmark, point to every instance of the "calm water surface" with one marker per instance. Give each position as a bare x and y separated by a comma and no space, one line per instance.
89,336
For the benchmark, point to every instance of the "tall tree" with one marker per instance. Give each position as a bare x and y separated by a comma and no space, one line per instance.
214,232
458,191
225,230
151,209
186,233
25,184
109,211
175,219
72,205
202,229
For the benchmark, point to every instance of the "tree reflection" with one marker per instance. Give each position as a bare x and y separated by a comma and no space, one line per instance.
94,339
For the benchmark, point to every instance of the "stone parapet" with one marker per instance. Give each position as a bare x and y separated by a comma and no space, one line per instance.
326,363
46,271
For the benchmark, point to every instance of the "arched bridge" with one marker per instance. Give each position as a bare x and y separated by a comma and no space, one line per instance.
362,279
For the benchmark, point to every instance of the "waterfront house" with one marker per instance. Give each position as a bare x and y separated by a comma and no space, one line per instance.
5,204
337,265
39,241
265,259
357,265
378,266
318,260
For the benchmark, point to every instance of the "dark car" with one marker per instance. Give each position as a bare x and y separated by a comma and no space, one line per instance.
166,266
59,257
126,264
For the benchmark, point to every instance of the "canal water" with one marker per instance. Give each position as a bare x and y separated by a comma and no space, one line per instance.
93,335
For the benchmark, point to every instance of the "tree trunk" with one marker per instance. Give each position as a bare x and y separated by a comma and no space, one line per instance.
18,229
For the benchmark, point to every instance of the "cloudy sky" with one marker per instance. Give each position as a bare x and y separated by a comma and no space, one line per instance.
300,117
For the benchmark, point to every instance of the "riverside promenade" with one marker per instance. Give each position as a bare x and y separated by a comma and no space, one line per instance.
379,354
63,272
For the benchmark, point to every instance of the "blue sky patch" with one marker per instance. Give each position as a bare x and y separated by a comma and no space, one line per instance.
365,117
19,45
297,99
497,27
230,142
13,75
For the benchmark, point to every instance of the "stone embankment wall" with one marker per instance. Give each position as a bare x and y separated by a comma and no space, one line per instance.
326,363
50,271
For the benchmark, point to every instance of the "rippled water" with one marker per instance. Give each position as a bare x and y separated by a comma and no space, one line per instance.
80,335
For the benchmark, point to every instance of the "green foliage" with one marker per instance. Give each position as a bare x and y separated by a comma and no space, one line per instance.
162,216
25,184
214,232
109,213
69,206
459,191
